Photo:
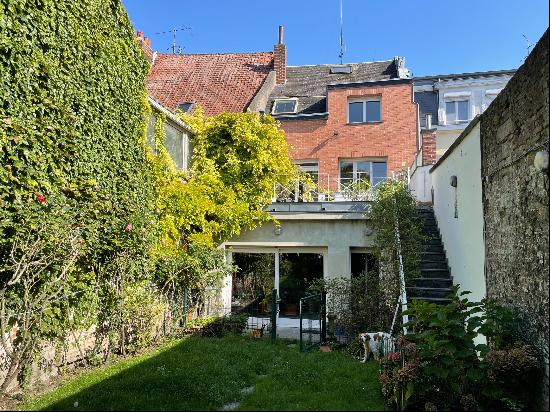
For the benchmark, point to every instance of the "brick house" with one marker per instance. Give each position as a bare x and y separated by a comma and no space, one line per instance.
345,122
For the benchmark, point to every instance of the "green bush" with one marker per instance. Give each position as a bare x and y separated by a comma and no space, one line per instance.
440,366
219,326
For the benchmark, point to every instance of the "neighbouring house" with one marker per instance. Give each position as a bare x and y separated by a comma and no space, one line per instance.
446,105
490,192
177,135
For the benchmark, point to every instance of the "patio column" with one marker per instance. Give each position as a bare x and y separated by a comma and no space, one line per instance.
227,288
277,270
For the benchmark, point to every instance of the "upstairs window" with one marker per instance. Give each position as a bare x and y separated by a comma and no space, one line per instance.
281,106
354,171
364,110
457,111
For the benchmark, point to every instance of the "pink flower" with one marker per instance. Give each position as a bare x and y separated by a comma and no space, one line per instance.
394,356
41,199
129,227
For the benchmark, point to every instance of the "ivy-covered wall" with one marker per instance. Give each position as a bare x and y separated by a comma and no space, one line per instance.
71,94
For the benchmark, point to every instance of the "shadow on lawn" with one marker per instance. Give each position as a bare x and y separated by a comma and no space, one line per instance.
184,376
201,373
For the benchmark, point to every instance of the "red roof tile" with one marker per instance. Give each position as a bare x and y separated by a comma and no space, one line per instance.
218,82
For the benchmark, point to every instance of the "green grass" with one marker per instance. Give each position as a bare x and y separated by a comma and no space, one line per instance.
206,373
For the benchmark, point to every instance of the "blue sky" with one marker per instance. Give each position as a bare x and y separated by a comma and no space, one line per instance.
435,37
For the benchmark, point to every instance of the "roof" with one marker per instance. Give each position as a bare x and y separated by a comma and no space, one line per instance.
217,82
309,83
454,76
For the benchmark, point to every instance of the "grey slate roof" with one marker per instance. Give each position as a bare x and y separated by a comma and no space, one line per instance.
427,104
309,83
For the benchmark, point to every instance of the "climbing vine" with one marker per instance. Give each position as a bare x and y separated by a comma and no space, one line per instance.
395,207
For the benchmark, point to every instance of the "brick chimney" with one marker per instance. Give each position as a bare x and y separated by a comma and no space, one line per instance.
145,44
279,52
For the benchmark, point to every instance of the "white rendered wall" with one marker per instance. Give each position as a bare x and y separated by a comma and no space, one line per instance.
462,236
421,184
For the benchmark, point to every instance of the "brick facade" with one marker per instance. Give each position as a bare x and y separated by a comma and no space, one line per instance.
331,139
515,200
428,147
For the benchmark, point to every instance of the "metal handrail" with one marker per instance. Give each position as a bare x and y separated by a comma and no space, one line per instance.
403,294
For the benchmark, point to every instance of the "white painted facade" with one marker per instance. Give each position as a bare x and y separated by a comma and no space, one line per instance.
333,234
459,212
479,90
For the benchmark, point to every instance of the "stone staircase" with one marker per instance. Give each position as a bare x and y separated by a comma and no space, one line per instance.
435,282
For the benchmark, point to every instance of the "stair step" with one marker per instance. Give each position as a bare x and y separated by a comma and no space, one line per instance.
436,256
430,264
438,301
435,248
435,273
423,292
431,282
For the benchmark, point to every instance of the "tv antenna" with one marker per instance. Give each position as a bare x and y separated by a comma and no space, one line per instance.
529,45
342,46
175,48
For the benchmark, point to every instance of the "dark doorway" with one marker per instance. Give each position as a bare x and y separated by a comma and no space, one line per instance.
362,262
297,271
253,280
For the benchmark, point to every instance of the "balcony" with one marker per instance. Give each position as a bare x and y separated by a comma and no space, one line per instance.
320,187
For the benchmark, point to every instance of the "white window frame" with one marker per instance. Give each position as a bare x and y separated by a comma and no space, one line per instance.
354,162
364,100
455,100
294,99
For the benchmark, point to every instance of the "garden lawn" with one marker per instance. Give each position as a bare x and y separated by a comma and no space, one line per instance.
199,373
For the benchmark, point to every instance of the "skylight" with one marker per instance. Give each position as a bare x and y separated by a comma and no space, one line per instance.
284,106
341,69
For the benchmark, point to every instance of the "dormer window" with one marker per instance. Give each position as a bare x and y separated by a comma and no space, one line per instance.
186,107
281,106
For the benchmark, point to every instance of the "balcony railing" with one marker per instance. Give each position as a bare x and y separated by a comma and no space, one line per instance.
317,188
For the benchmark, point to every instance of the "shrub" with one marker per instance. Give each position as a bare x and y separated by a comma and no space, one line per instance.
219,326
441,366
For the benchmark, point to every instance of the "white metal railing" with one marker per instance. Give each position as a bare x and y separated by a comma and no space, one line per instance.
403,290
317,188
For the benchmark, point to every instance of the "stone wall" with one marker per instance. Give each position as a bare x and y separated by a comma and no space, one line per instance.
515,198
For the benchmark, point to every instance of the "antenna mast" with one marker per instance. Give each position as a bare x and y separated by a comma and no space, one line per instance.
341,55
175,48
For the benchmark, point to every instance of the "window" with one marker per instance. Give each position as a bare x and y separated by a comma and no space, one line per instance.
186,107
364,111
457,111
353,171
174,142
284,106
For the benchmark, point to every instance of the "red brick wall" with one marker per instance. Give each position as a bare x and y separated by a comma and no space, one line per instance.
428,147
279,63
328,140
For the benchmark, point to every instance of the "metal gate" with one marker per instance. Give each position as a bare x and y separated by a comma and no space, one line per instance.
313,326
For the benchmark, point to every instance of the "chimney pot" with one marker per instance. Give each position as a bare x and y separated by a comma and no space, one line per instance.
139,35
281,34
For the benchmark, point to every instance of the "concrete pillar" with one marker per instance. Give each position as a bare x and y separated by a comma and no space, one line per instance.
227,288
338,262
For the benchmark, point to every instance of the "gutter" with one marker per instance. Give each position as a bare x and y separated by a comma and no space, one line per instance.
173,118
